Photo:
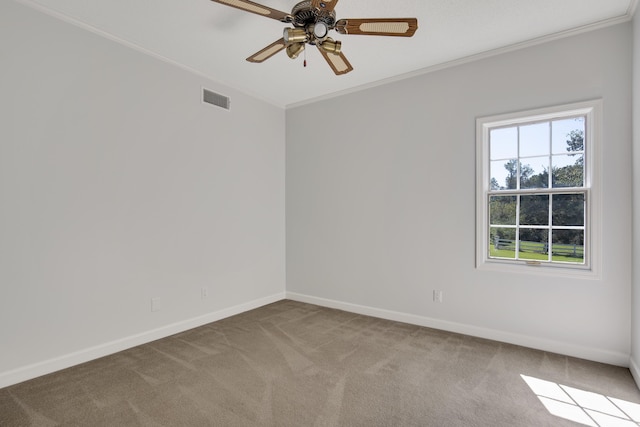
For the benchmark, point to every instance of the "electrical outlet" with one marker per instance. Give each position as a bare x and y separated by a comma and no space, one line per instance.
204,292
155,304
437,296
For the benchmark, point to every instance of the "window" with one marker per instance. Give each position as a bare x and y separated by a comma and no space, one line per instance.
537,195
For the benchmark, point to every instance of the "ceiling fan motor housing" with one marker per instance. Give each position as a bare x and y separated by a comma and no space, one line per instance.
317,23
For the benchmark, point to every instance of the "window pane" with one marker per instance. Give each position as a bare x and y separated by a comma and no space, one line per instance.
503,143
502,210
503,174
502,242
568,246
534,244
534,140
535,173
568,135
534,210
568,170
568,210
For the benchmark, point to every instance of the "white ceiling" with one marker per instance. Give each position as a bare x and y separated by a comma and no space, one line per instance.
213,39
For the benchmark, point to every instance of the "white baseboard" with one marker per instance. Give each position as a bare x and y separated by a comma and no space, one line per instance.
567,349
48,366
635,371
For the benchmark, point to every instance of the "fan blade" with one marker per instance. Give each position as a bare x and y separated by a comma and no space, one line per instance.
324,5
337,62
256,8
268,51
400,27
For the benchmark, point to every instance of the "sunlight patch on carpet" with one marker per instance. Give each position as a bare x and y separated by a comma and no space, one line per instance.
584,407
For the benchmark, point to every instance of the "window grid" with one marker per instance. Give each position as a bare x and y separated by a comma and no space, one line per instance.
548,243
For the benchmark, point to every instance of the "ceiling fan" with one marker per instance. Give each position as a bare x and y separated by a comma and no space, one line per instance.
312,20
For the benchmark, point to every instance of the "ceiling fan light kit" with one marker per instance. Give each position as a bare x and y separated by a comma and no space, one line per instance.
312,20
294,50
295,35
331,46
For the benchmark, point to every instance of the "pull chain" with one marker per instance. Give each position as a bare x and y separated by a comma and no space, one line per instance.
305,58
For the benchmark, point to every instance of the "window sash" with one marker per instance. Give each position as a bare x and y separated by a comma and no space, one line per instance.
549,246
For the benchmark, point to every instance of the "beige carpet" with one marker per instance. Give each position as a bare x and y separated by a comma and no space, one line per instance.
295,364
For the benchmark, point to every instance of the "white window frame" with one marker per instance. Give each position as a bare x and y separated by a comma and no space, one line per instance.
592,110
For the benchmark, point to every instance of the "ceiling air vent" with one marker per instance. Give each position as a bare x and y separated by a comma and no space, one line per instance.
215,99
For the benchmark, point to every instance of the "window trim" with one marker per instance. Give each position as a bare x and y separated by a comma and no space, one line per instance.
592,110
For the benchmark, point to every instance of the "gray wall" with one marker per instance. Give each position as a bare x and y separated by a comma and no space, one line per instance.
381,202
635,325
118,185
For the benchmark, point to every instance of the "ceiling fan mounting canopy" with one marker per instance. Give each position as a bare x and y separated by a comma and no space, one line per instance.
312,20
304,13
